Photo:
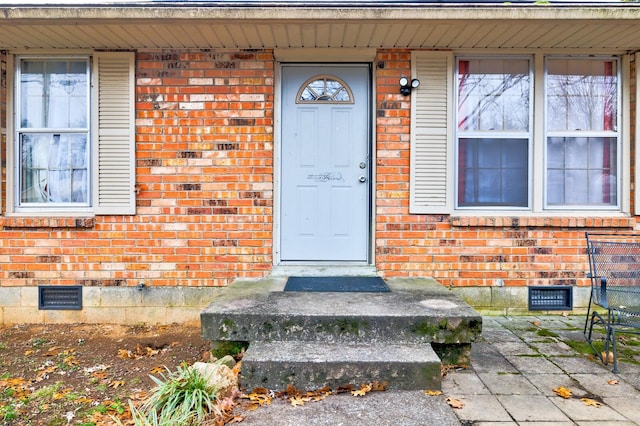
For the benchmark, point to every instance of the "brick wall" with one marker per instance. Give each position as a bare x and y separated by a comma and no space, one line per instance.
204,176
205,203
462,251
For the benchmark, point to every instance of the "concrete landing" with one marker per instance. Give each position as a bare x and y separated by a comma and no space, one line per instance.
282,328
416,311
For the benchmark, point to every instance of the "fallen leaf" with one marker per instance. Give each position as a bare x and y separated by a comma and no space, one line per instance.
291,390
52,351
536,323
613,382
70,360
249,406
433,392
590,402
100,375
364,389
261,391
454,403
61,394
606,358
125,354
259,398
297,401
379,386
344,389
29,352
563,392
158,369
116,384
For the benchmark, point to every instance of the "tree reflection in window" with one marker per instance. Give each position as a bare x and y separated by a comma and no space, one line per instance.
324,88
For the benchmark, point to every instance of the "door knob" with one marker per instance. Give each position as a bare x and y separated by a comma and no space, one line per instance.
362,179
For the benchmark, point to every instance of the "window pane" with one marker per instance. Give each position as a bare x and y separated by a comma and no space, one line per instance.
53,168
53,94
493,94
581,171
493,172
582,94
324,89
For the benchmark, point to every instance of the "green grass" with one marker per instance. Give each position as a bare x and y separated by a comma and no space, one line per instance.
543,332
183,397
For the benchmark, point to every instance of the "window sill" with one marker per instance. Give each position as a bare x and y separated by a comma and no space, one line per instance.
544,222
46,222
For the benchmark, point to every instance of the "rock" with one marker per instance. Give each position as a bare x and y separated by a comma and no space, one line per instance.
217,375
227,360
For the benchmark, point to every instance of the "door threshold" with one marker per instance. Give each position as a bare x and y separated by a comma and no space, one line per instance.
323,270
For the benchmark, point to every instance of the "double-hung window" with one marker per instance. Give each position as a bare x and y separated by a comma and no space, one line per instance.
53,149
493,122
517,134
581,133
72,145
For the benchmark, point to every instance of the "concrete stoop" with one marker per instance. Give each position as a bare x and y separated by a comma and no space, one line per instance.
314,339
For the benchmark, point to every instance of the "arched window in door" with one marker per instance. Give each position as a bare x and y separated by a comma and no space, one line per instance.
325,89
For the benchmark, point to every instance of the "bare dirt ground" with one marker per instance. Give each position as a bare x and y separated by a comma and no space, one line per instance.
86,374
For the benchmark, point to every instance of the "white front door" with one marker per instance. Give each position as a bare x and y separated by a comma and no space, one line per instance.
325,163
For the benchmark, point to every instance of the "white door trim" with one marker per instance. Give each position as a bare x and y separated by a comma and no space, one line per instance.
277,176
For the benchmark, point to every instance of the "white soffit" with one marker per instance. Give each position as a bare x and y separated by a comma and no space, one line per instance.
146,26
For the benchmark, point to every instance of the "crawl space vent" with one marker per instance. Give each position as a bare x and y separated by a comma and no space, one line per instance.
60,297
556,298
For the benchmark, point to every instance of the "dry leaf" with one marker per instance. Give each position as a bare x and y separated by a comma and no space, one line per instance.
364,389
259,398
99,375
29,352
291,390
454,403
379,386
590,402
563,392
344,389
297,401
536,323
613,382
157,370
606,358
125,354
433,392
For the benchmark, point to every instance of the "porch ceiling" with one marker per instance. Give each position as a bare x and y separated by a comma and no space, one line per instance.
152,27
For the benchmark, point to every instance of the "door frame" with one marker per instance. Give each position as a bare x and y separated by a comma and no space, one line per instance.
277,157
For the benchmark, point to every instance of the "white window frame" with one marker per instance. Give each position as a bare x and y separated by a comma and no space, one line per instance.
458,134
19,207
617,134
112,136
433,138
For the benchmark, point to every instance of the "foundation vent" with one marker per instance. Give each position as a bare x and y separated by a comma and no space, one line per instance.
60,297
555,298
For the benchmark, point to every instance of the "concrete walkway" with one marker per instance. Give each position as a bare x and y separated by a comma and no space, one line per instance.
519,363
515,367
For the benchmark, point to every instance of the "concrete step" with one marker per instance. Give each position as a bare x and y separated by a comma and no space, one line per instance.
414,311
314,339
313,365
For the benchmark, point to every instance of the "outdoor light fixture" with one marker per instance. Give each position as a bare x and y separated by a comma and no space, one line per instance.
405,86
